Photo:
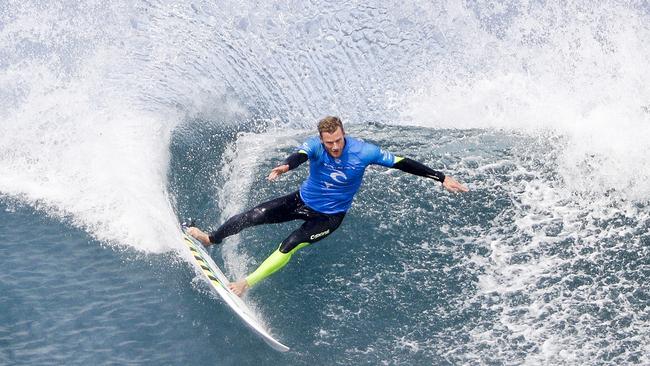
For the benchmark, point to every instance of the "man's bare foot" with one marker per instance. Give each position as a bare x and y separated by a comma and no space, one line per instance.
239,287
201,236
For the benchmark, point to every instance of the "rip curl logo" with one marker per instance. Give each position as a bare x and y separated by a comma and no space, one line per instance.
316,236
338,177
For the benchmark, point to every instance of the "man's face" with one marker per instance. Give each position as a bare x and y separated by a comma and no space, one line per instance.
333,142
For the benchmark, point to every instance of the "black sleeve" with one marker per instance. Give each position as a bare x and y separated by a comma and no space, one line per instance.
414,167
295,159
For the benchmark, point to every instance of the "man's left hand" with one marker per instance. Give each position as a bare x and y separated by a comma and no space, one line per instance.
452,185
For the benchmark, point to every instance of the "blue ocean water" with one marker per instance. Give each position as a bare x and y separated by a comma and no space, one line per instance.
120,120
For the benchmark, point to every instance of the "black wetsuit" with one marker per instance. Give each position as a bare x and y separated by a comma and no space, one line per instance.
282,209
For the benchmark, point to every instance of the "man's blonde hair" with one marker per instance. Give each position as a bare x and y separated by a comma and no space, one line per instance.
329,124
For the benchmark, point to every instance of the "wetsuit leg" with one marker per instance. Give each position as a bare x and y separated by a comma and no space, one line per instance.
312,230
277,210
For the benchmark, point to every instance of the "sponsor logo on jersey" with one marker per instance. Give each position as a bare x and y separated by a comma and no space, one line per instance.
386,155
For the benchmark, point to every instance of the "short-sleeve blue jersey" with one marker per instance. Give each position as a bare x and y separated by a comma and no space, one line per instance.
333,182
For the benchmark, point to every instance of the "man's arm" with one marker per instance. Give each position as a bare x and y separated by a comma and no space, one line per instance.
413,167
291,162
295,159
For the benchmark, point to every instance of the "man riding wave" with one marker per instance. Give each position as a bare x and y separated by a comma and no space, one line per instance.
336,166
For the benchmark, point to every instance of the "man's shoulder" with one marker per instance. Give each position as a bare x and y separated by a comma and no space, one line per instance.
311,145
360,146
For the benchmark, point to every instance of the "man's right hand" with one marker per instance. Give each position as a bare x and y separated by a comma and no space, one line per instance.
277,171
201,236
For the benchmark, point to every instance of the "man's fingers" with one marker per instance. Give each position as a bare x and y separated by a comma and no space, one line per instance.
277,171
460,188
273,175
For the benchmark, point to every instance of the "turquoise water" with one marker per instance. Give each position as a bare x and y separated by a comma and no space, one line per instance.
118,121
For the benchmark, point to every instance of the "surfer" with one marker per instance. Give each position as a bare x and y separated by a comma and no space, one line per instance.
336,166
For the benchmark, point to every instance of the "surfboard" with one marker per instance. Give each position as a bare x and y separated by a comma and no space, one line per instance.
219,285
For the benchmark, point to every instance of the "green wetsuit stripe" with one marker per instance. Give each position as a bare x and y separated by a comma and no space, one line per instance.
271,265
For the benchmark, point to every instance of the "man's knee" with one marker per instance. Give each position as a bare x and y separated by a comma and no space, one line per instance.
300,236
290,249
289,243
257,215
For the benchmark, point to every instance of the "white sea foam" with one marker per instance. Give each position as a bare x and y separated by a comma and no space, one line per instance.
576,77
104,169
87,114
554,279
578,71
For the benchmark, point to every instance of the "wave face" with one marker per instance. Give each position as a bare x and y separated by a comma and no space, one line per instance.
117,120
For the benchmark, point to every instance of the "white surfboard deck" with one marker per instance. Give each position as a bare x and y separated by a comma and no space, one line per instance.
219,284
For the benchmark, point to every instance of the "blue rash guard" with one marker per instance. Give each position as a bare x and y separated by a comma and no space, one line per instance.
333,182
